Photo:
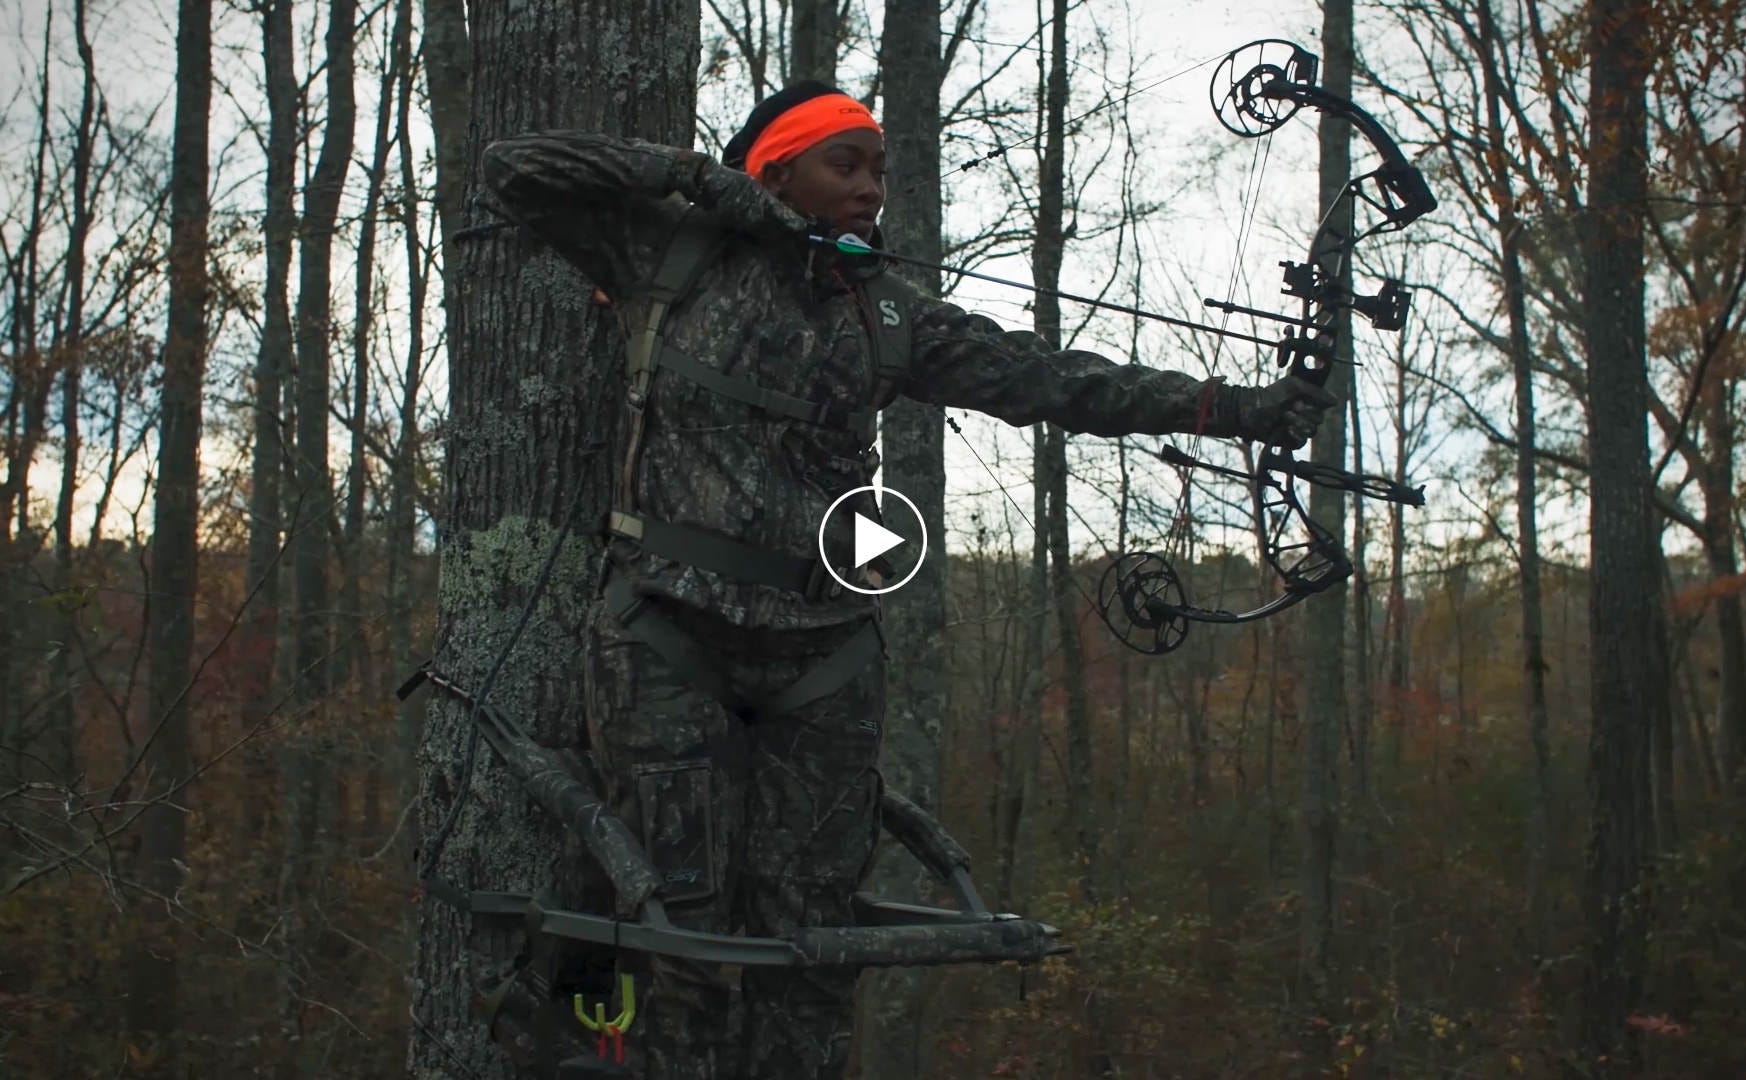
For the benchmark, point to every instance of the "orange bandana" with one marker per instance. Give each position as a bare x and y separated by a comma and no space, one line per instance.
805,126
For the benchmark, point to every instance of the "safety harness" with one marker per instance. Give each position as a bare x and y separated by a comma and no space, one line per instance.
697,241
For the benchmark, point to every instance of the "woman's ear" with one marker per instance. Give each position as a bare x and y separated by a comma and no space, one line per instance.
774,177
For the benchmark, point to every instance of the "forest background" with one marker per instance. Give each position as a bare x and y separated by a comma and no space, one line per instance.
1476,813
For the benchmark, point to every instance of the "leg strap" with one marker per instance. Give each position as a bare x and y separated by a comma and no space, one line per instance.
637,614
830,674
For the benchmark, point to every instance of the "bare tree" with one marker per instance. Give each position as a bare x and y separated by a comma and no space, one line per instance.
273,362
153,1012
1628,683
402,481
303,769
62,739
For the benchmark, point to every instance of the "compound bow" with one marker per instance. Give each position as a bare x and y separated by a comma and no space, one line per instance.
1254,91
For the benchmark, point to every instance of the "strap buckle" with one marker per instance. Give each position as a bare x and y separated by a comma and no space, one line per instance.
821,584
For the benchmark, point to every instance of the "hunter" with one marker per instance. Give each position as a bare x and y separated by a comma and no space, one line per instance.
735,692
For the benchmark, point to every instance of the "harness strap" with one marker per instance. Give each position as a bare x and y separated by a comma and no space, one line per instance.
830,674
891,334
711,551
682,653
689,251
774,402
685,655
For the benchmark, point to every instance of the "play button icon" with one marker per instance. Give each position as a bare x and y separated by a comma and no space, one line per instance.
872,539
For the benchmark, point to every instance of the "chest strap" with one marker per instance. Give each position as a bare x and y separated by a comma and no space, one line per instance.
718,554
773,402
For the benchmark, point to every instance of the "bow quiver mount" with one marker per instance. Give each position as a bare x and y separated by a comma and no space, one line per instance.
885,934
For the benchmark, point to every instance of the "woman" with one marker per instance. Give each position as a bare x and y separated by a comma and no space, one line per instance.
734,693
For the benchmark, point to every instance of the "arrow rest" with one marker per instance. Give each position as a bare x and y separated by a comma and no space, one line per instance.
1140,599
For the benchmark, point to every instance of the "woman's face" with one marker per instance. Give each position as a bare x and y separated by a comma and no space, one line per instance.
841,180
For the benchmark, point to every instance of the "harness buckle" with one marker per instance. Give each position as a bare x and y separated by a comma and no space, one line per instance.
821,584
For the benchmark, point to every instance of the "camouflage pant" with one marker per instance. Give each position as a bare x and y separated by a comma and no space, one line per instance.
758,828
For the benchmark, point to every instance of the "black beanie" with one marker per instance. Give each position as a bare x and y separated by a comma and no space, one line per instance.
765,113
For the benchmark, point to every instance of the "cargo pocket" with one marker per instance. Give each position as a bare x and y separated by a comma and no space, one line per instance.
674,800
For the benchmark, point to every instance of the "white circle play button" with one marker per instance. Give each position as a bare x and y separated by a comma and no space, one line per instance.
873,539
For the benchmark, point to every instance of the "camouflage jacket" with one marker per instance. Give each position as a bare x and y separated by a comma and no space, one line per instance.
785,314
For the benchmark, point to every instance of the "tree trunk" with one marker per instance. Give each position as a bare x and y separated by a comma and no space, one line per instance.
259,643
1398,658
1628,682
60,748
814,52
1364,708
153,1010
895,1029
1046,260
308,742
1534,705
1324,617
1716,480
402,482
448,66
26,405
354,649
517,464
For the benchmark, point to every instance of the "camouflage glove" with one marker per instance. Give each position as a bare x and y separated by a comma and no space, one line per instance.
746,203
1284,413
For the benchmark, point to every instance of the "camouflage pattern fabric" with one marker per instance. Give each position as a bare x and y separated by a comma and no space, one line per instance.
781,312
759,828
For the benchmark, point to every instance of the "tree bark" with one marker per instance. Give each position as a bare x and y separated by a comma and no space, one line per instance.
894,1035
152,1008
526,450
1628,680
